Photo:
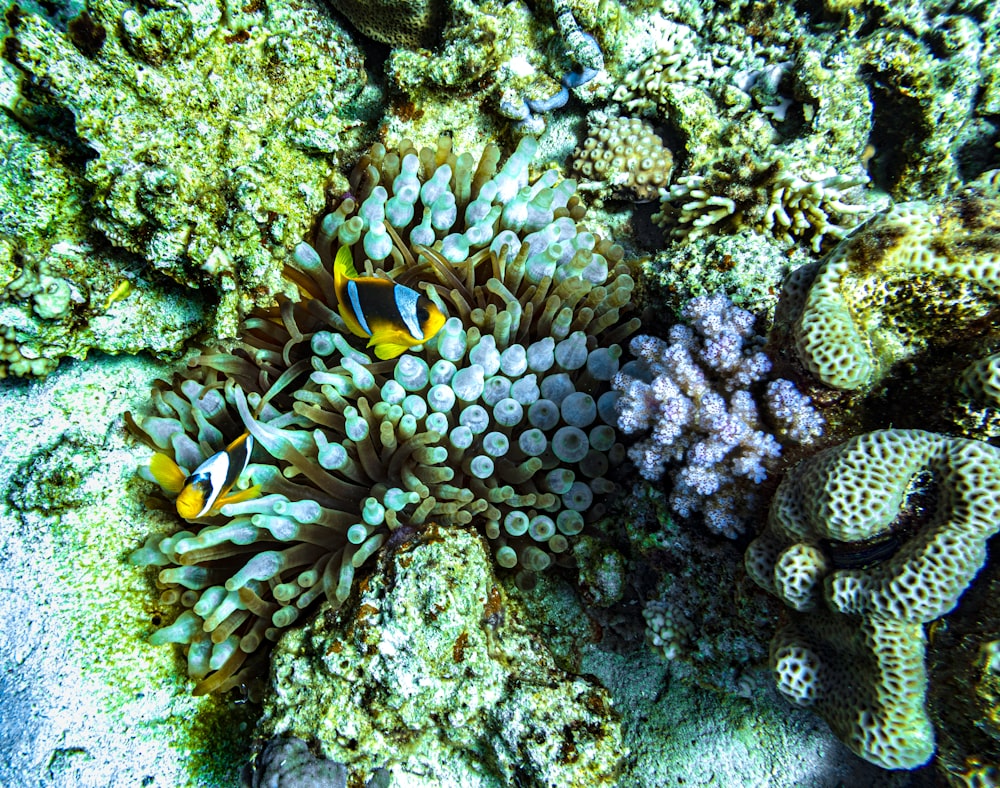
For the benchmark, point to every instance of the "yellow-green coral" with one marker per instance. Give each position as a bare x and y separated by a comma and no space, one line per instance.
916,275
204,130
869,541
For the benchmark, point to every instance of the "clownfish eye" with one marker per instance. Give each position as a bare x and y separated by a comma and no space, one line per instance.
422,314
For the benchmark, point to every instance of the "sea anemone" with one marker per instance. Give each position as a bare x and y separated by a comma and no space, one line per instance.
503,421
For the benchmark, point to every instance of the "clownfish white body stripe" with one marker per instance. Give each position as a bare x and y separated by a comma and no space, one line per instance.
208,488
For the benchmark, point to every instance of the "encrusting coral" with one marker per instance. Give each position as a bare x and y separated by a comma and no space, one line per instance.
201,127
495,423
870,541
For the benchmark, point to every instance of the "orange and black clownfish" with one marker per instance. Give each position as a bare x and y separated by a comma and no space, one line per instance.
205,491
394,318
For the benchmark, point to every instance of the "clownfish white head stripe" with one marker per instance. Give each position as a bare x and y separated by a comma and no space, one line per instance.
208,488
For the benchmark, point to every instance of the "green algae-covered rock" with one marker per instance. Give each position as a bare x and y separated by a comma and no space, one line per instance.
429,672
201,129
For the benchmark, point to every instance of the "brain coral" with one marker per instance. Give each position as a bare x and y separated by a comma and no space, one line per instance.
921,273
494,423
870,541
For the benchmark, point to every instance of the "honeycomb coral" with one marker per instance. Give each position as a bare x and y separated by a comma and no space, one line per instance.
981,380
401,23
623,158
918,274
874,539
495,422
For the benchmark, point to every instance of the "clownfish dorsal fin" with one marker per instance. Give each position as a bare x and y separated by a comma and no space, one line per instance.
343,264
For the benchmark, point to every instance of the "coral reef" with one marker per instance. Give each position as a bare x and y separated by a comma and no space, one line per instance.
498,422
407,23
963,669
205,202
741,193
918,275
57,275
517,62
932,75
693,393
62,304
434,636
981,380
710,640
870,541
622,158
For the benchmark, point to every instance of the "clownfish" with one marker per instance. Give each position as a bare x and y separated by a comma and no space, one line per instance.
205,491
393,317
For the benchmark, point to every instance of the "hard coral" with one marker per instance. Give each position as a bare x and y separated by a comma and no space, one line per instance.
496,423
202,138
622,158
431,673
871,541
406,23
918,275
692,393
741,193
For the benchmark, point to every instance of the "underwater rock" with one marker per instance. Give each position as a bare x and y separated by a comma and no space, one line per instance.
430,672
204,128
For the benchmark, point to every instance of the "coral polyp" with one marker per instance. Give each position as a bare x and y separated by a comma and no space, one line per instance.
501,421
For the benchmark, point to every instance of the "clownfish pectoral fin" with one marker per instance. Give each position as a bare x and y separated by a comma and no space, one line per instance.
167,473
389,343
236,497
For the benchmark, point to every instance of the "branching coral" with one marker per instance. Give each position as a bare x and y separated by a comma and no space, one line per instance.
693,393
741,193
496,423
